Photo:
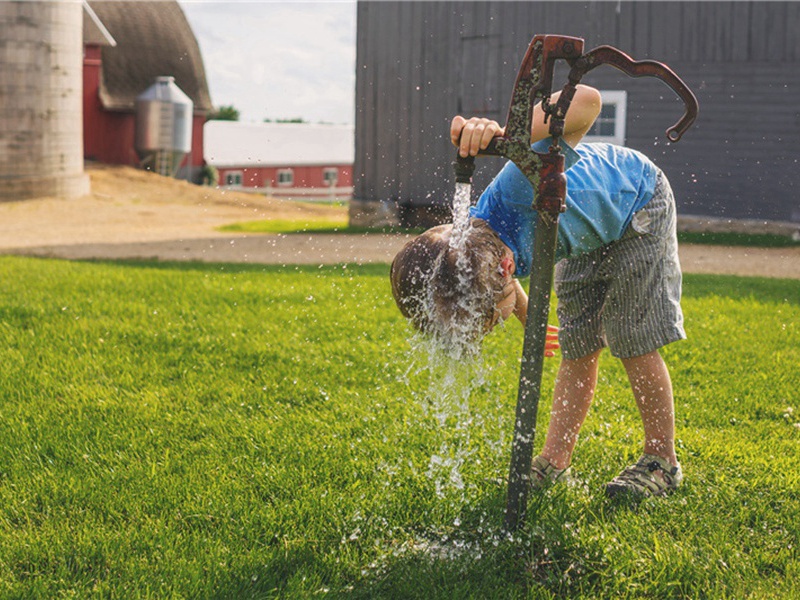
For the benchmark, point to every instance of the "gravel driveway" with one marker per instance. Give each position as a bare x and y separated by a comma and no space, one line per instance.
138,215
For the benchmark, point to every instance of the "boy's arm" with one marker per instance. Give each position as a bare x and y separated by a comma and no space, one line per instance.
583,110
473,135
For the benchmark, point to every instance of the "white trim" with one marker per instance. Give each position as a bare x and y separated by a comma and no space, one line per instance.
311,193
618,99
96,20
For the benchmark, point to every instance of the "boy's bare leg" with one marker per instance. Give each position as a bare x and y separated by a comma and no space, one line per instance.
652,389
574,390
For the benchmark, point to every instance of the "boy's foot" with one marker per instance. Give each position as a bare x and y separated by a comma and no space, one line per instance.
543,473
650,476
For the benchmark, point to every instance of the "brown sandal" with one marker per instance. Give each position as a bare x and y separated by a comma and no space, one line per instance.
650,476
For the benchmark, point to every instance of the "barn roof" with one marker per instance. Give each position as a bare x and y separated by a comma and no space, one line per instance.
152,39
236,144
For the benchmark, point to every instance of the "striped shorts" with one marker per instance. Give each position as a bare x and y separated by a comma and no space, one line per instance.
625,295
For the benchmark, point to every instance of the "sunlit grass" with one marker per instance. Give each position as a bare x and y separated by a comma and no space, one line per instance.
316,226
287,225
221,431
342,226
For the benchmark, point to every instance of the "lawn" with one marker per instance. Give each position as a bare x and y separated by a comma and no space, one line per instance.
341,226
220,431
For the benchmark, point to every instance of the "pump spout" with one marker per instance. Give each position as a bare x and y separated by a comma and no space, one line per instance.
464,167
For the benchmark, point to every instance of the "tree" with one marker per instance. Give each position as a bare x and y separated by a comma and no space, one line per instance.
225,113
292,120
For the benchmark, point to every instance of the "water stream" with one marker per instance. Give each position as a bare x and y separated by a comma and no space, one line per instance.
461,202
454,367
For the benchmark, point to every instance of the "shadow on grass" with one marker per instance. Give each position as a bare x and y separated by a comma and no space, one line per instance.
476,559
763,289
731,286
346,269
753,240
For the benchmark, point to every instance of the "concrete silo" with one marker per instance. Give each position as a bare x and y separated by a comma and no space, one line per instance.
41,118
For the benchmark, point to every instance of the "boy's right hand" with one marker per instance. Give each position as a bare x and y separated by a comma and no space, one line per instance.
471,136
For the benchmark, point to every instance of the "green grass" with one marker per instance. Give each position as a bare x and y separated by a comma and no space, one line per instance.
342,226
287,226
219,431
317,226
760,240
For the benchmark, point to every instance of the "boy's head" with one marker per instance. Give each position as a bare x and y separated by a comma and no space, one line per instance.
452,293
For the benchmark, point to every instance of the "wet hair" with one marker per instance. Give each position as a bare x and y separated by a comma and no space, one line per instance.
447,292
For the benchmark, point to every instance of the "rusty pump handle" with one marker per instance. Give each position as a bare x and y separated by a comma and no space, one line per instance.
534,82
608,55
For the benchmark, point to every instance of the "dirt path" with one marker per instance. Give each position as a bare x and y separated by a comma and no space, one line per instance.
137,215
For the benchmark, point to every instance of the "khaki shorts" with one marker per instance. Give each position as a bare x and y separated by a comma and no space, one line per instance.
625,295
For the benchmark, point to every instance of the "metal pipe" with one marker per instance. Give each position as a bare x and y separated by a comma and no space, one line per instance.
530,375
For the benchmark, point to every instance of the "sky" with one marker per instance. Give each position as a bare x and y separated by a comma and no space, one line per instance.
279,59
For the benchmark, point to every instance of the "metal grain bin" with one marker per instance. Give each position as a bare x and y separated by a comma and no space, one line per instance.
163,126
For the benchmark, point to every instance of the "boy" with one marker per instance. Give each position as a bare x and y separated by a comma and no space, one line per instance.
618,285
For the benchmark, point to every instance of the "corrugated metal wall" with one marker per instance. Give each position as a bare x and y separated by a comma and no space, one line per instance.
420,63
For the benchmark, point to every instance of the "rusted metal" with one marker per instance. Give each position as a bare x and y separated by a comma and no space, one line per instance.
608,55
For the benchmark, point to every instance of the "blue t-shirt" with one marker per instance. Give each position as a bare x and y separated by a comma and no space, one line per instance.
606,185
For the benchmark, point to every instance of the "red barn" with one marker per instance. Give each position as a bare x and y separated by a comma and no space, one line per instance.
290,160
127,45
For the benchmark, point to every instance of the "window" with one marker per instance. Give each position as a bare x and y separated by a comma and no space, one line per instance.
610,125
233,178
330,175
285,178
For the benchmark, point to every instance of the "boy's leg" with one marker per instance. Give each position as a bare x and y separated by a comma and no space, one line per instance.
652,388
574,390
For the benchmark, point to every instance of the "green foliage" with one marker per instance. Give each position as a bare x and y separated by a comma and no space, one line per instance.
220,431
209,175
291,120
225,113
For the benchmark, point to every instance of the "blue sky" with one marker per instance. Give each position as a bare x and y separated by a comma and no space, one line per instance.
279,59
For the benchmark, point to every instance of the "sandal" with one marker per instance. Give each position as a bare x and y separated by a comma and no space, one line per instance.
650,476
544,474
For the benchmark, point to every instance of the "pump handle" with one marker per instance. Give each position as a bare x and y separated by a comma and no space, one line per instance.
608,55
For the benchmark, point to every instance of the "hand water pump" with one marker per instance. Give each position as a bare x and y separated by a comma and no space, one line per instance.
545,171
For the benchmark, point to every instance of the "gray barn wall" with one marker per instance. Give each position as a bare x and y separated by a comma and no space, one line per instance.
420,63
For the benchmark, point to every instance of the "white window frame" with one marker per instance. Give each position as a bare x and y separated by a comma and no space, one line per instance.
279,178
237,178
330,176
619,100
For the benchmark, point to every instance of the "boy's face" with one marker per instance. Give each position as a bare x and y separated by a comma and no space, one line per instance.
507,297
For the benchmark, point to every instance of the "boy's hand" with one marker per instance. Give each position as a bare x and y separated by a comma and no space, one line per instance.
473,135
551,341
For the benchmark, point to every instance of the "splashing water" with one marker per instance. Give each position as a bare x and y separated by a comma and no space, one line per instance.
452,348
454,309
446,401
